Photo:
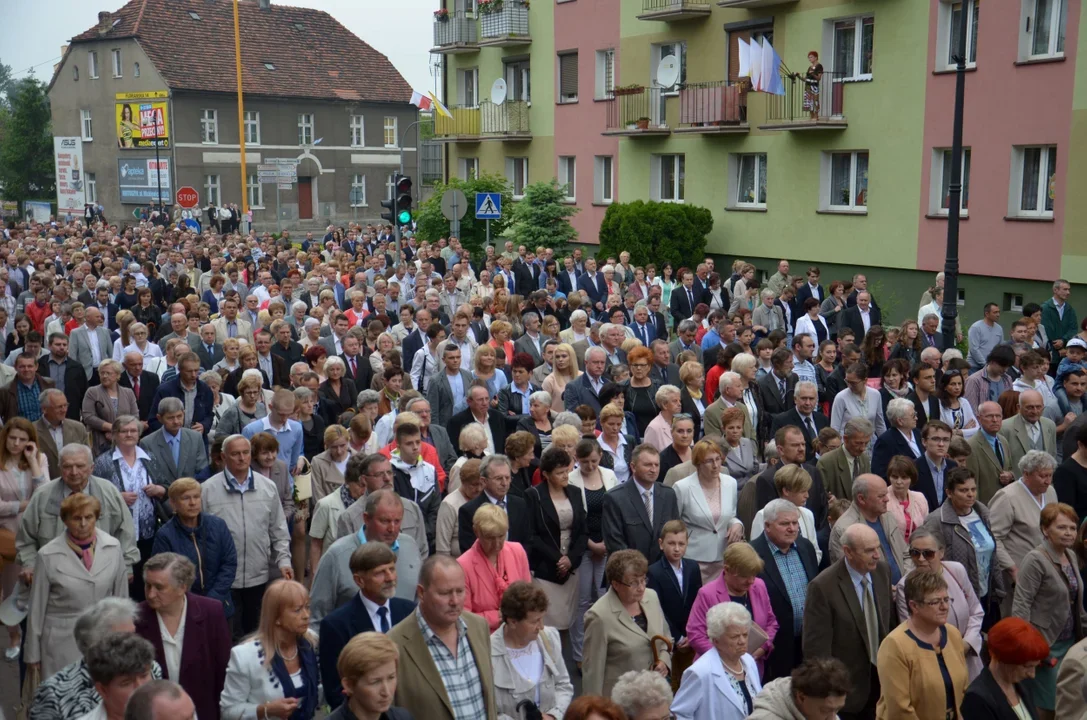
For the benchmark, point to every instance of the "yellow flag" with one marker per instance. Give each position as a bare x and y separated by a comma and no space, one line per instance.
442,109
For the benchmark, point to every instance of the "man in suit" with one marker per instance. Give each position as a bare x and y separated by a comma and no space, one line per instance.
67,374
811,289
675,579
585,390
776,388
804,416
635,512
143,383
417,337
730,394
791,450
448,390
860,317
844,464
568,276
479,411
1028,430
848,613
333,342
531,342
91,344
594,285
664,372
933,465
497,475
860,285
685,340
374,609
641,327
209,349
683,299
656,317
789,566
187,381
55,430
178,450
358,368
990,457
230,325
612,336
923,395
276,368
421,685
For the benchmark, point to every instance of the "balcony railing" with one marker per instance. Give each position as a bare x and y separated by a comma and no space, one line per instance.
504,25
808,106
457,32
718,107
508,120
464,125
674,10
637,111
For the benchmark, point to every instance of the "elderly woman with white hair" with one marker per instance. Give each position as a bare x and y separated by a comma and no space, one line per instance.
140,343
642,694
311,333
539,421
337,393
901,438
659,431
722,684
221,401
578,330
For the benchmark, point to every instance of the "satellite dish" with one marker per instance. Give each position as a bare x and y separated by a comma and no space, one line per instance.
498,91
668,71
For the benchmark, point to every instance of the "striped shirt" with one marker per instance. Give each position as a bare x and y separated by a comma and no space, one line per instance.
459,674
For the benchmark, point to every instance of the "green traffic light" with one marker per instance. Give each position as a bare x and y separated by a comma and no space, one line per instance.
404,217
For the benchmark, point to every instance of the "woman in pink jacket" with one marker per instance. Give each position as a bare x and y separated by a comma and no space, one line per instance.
491,565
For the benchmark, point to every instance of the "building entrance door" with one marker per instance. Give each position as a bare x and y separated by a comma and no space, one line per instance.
305,198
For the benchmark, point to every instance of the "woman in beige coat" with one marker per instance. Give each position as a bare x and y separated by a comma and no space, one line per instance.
103,403
73,572
329,466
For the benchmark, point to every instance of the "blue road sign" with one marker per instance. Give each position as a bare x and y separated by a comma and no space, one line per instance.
488,206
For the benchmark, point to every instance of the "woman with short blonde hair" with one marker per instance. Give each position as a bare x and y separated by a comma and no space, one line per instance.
368,666
491,564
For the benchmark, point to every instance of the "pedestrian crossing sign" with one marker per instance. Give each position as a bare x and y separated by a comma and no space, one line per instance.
488,206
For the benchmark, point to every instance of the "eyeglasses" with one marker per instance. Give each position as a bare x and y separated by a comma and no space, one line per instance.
927,554
639,583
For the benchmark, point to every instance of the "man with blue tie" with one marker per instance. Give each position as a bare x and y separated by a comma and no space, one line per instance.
641,327
594,285
374,609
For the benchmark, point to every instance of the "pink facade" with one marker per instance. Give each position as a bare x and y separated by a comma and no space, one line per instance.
586,27
1007,104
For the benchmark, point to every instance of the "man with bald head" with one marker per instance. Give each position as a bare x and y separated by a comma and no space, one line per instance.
870,495
1028,430
989,460
847,614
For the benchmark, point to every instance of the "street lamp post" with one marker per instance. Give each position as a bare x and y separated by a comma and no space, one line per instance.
951,263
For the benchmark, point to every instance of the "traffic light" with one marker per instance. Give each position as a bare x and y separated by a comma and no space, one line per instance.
403,200
388,212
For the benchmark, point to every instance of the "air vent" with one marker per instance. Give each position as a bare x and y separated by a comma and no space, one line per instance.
194,15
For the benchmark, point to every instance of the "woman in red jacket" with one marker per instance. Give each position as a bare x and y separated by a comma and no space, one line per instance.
492,564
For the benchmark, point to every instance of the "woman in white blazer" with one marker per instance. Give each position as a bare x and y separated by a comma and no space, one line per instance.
723,683
811,323
707,505
274,673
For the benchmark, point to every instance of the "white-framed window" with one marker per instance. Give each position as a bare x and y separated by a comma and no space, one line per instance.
358,190
252,127
667,178
603,190
391,137
852,51
135,69
568,176
358,131
568,77
211,189
115,61
846,176
254,191
662,50
748,189
92,65
305,128
469,167
1034,180
390,185
92,188
1042,28
519,81
950,15
86,128
605,74
468,87
517,174
209,127
941,169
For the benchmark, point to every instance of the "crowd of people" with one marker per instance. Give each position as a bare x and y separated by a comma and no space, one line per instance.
245,477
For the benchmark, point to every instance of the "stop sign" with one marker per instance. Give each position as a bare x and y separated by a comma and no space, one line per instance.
187,197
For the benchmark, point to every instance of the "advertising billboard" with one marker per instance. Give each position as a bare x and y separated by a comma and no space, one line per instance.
142,120
71,185
139,180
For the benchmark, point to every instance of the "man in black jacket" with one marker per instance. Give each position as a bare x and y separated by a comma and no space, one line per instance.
776,387
136,378
479,411
67,374
497,475
790,444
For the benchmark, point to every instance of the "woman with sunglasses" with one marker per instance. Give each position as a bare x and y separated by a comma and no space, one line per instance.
966,612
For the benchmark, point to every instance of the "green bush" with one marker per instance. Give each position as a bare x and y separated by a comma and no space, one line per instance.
542,218
654,232
431,224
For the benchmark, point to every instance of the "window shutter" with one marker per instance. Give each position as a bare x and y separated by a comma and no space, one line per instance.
568,75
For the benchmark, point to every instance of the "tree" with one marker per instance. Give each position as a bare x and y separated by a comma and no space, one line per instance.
542,218
656,232
431,224
26,155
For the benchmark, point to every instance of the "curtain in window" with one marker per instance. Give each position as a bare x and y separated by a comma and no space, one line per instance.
1032,169
841,167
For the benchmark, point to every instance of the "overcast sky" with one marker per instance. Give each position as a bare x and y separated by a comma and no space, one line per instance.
401,29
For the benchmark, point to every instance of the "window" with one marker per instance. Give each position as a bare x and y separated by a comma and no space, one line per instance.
602,182
85,125
853,48
211,189
1035,172
848,182
92,188
953,15
1045,25
468,87
269,66
1013,302
194,15
92,65
305,128
75,73
469,167
252,127
518,83
358,191
943,166
756,35
751,181
390,132
135,69
605,74
667,172
568,78
255,191
390,186
209,127
568,177
358,131
663,50
115,59
517,174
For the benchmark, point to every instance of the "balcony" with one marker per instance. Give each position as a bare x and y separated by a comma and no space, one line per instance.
674,10
637,111
504,24
508,121
713,108
455,33
462,127
819,106
750,3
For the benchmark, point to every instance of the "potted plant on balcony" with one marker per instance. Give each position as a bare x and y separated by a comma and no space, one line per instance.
488,7
629,90
441,15
642,123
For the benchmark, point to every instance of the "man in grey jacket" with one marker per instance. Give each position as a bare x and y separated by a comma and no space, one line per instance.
249,504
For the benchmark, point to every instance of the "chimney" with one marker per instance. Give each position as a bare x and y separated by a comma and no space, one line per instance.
265,4
103,22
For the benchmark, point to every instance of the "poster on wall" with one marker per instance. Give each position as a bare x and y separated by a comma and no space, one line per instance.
39,211
71,184
142,120
142,181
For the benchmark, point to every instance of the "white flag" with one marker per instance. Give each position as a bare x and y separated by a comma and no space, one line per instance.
756,65
745,57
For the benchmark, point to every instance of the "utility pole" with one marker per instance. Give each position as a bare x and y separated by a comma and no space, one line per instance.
951,263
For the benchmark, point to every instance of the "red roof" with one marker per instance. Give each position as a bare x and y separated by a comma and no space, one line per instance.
314,56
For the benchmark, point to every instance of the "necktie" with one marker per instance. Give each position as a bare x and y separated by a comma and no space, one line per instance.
647,498
354,370
871,620
999,452
781,383
232,329
1034,433
136,387
209,350
856,468
501,503
383,613
175,448
690,299
811,429
644,335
